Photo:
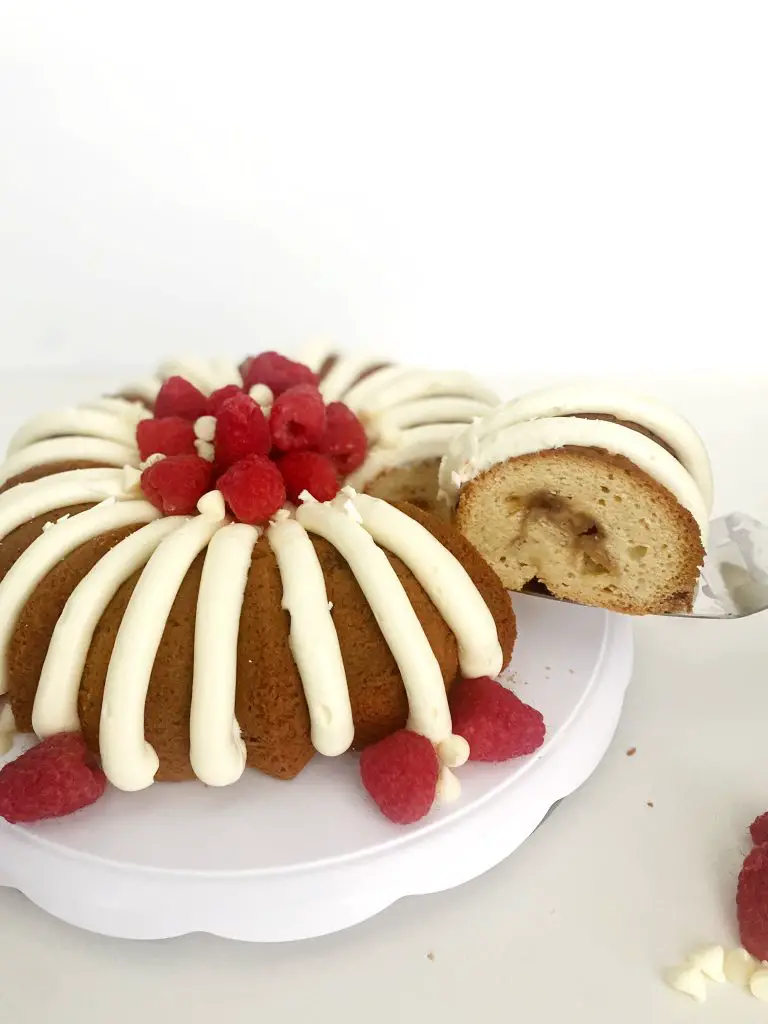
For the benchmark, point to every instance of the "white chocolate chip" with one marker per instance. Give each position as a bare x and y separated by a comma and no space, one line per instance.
739,966
453,752
205,450
758,984
306,498
688,980
151,460
448,787
709,961
205,428
262,395
281,515
211,506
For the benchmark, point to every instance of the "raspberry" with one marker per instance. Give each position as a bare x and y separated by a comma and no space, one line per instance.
177,397
297,420
308,471
752,903
176,484
55,778
400,774
344,441
759,830
241,429
277,372
495,723
217,398
171,436
253,488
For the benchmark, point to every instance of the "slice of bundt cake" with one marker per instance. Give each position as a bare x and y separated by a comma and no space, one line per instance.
161,596
600,496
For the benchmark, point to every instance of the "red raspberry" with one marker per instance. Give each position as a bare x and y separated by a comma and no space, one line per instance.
253,489
308,471
241,429
759,830
752,903
169,436
217,398
277,372
176,484
344,442
495,723
400,773
57,777
297,420
177,397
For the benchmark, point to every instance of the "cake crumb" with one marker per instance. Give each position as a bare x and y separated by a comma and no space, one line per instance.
649,803
431,956
632,751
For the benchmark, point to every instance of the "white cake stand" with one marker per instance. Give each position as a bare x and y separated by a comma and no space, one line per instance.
268,861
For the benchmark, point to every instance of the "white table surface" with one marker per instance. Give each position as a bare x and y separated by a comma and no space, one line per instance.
577,925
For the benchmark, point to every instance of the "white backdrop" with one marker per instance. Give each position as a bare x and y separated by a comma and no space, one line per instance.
518,185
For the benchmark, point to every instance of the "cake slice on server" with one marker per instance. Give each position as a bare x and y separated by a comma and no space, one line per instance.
600,495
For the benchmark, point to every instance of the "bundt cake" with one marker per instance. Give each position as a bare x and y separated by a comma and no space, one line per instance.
409,415
600,496
187,583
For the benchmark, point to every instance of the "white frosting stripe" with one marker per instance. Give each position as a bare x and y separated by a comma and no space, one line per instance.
315,354
129,762
414,445
129,410
444,578
55,708
572,399
146,389
399,623
542,434
313,638
343,374
75,423
197,371
49,549
68,449
24,502
428,410
426,384
217,751
365,391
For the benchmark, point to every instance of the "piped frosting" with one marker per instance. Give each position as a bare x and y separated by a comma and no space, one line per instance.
480,448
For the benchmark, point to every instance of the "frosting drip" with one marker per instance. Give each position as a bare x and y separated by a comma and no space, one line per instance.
313,639
217,751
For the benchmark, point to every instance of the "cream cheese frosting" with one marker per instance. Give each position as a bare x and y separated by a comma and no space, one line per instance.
572,399
480,449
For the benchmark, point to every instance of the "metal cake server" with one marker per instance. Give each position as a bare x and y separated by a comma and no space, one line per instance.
734,579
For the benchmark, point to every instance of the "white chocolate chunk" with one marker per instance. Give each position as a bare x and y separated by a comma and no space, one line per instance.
205,450
739,966
758,984
212,506
262,395
688,980
155,457
205,428
709,961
